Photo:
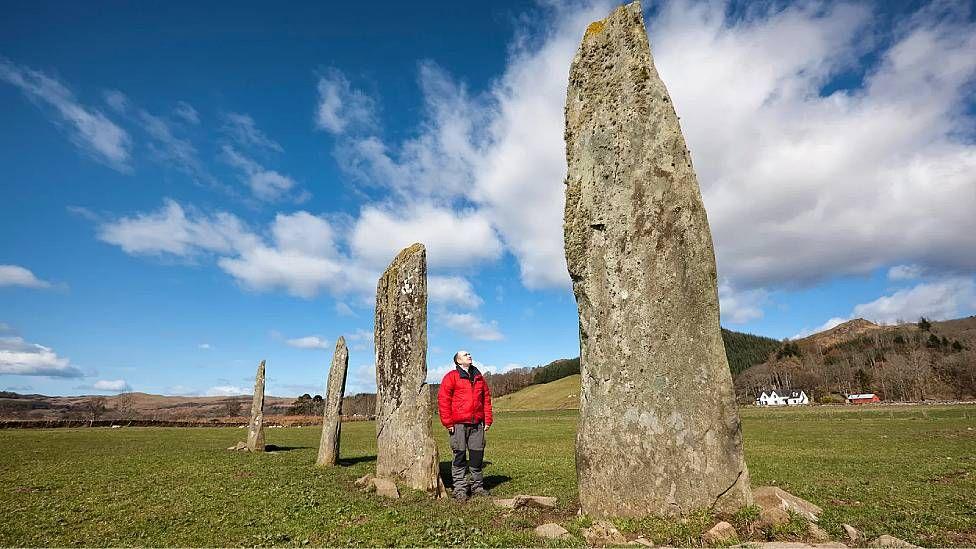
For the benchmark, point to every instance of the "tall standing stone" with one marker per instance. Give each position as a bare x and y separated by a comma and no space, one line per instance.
659,431
405,445
255,429
332,418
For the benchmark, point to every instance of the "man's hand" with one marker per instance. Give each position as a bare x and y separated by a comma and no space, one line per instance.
450,429
488,426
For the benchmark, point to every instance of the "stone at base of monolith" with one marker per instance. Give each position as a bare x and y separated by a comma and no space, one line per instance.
405,448
255,429
658,431
332,417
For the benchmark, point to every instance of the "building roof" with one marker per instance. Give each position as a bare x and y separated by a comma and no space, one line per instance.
862,395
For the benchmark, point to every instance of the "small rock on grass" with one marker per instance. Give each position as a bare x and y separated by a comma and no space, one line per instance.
385,487
720,533
551,530
526,501
852,533
769,497
890,541
642,541
774,516
603,533
363,481
239,446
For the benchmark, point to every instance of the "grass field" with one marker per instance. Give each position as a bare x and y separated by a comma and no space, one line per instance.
907,471
562,394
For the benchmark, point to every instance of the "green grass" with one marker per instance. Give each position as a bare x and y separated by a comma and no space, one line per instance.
562,394
908,472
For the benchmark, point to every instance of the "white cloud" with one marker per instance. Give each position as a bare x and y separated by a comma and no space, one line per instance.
471,326
173,151
308,342
739,307
265,184
938,300
837,184
88,128
227,390
452,290
942,299
116,100
204,346
905,272
342,309
116,385
15,275
173,230
242,129
186,112
453,238
832,323
341,107
18,357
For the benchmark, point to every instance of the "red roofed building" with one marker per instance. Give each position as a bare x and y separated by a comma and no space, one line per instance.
864,398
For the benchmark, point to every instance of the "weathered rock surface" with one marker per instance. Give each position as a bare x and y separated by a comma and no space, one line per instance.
384,487
240,446
603,533
889,541
405,448
817,533
640,255
774,516
723,532
255,429
520,501
769,497
332,417
551,530
852,534
642,541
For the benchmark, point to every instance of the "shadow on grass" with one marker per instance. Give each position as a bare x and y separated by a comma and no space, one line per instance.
276,448
491,481
355,460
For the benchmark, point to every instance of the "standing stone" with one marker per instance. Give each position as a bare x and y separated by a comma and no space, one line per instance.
658,431
334,391
405,448
255,429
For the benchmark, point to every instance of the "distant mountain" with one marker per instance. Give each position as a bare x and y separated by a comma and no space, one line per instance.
920,361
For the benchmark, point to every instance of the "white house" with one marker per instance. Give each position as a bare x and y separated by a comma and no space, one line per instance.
780,397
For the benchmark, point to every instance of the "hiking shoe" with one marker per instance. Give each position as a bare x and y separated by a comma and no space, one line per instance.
460,497
480,492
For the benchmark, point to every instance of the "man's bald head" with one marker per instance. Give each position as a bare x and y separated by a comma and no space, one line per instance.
462,358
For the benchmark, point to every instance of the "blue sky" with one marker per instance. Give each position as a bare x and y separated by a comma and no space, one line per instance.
186,192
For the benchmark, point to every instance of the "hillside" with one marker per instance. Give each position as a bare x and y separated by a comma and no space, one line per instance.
906,362
562,394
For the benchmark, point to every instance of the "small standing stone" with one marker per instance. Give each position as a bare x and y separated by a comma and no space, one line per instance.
332,417
852,534
405,447
255,429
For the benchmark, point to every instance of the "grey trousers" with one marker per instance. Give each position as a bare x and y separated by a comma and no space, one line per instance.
468,440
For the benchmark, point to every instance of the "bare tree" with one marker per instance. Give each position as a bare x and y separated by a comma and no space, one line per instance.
95,407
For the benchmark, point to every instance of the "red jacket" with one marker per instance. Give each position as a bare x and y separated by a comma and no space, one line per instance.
461,400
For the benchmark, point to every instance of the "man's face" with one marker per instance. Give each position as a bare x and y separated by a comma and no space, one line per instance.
464,358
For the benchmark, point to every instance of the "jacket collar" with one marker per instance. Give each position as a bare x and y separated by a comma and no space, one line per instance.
474,373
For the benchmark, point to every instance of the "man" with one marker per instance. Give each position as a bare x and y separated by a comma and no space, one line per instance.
464,402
